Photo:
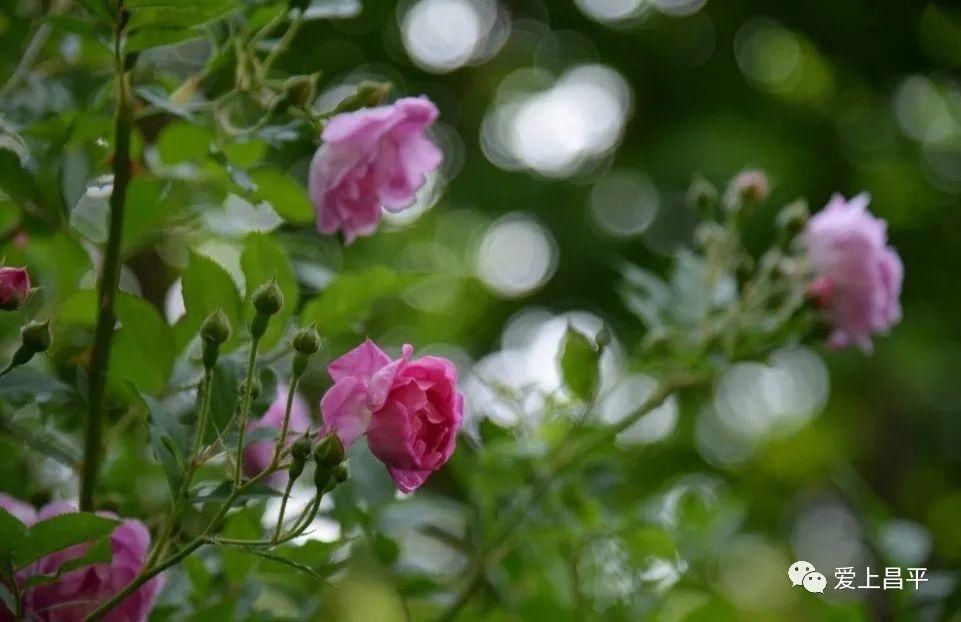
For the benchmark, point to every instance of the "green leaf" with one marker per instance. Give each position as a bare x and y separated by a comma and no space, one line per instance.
142,331
169,441
286,196
264,258
155,38
12,532
61,532
99,553
350,296
184,142
173,15
580,368
207,286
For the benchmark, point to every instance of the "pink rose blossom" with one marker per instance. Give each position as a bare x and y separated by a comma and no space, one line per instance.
14,288
858,275
410,410
257,455
76,593
371,158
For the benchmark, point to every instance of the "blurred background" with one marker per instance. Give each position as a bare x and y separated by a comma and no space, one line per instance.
572,130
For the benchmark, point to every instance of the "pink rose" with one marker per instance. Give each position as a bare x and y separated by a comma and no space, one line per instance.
257,455
77,592
752,185
14,288
858,276
371,158
409,410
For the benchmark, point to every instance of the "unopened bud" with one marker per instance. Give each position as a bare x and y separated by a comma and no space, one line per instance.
216,328
268,299
301,89
329,451
751,186
300,450
701,194
256,387
14,288
307,341
794,216
36,336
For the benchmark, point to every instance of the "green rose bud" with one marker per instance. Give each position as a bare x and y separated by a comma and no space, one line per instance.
300,450
36,336
306,340
216,328
329,451
268,299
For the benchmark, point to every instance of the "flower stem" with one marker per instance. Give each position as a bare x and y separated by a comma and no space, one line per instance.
283,510
565,457
109,276
206,387
245,410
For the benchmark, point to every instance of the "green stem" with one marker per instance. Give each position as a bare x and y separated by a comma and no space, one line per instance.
282,45
109,277
193,461
151,572
245,410
283,510
565,458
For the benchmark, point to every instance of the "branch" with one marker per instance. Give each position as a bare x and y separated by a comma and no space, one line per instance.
109,276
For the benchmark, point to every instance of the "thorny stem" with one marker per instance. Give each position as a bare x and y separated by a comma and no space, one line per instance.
110,274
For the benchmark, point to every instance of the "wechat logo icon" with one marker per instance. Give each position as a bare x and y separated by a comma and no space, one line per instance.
804,573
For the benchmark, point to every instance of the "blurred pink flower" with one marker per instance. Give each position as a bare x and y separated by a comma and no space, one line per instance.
752,185
858,275
14,288
371,158
76,593
257,455
410,410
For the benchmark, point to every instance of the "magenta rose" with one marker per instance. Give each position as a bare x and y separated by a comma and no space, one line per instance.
410,410
371,158
14,288
76,593
257,455
858,275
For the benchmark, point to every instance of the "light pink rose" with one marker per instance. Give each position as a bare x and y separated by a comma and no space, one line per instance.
858,275
14,288
371,158
77,592
752,185
410,410
257,455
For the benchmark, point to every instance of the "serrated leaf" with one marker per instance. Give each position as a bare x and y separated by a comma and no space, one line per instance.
61,532
206,287
98,553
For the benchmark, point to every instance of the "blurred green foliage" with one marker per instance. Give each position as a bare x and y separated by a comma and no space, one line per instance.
825,96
